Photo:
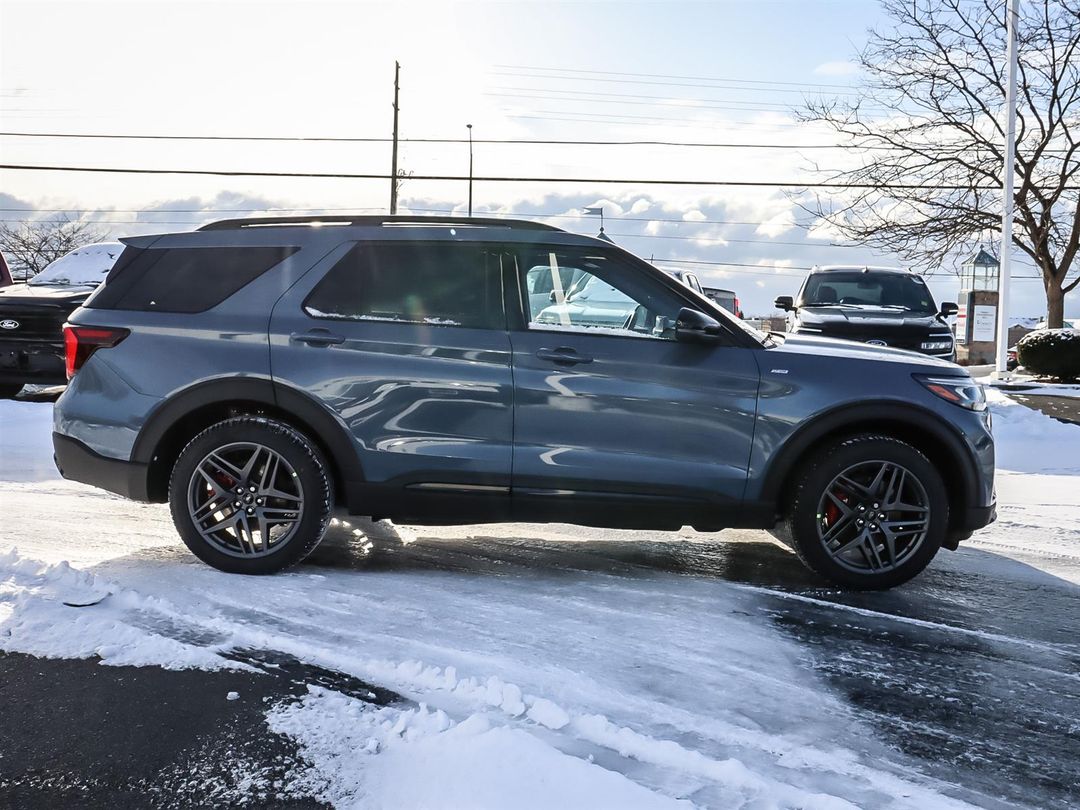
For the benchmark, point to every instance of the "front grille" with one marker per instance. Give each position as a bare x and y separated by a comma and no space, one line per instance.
36,326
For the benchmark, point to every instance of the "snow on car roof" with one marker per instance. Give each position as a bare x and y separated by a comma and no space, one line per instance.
86,265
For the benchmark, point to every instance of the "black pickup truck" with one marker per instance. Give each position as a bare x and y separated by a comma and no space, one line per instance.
32,316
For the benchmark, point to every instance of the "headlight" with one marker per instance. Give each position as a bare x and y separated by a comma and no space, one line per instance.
936,345
962,391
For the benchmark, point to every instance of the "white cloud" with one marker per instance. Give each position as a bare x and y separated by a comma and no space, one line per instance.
836,68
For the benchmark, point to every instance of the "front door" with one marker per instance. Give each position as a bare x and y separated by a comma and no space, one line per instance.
612,413
406,343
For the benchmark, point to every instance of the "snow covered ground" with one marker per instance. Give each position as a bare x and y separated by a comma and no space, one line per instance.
554,666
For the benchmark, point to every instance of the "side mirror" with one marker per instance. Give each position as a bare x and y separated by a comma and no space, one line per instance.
552,297
784,302
948,309
696,327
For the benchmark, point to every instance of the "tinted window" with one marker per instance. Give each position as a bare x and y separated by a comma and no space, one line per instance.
900,290
183,279
567,289
432,283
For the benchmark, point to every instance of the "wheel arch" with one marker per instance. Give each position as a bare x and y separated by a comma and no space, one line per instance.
183,415
917,426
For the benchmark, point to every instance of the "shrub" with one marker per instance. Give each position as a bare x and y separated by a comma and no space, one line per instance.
1051,353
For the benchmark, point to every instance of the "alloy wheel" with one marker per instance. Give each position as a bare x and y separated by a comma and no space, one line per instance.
873,517
245,499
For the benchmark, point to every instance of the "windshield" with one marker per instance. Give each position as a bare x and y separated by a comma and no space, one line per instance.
905,291
83,267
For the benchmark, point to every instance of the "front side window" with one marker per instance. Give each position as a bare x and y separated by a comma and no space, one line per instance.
439,284
575,290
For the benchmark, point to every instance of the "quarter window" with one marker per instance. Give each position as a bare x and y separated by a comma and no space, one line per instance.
429,283
183,279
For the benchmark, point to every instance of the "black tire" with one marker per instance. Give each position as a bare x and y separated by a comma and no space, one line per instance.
804,525
9,390
314,486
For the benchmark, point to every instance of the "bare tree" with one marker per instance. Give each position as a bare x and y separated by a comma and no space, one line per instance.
926,136
31,246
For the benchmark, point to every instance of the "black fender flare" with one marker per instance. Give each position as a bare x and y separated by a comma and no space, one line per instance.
328,430
841,419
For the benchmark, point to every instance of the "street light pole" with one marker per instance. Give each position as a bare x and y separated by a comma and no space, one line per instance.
469,126
1012,19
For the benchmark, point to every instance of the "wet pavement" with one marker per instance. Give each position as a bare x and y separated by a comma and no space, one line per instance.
1064,409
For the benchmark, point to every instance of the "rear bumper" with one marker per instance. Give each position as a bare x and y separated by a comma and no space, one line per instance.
77,462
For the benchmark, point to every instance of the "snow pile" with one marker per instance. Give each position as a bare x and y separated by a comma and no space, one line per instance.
57,611
1026,440
419,758
27,442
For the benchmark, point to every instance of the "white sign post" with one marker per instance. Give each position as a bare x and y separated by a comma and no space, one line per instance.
1012,19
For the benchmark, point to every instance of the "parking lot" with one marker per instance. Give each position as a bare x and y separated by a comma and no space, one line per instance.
649,666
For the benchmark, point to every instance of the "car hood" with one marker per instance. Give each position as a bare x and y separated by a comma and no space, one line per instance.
794,343
834,320
28,295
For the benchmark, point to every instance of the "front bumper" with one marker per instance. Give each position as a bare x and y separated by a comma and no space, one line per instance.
77,462
29,363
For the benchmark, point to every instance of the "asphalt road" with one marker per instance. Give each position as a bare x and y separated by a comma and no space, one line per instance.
1064,409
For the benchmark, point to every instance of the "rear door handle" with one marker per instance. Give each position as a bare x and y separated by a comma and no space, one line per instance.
564,356
318,337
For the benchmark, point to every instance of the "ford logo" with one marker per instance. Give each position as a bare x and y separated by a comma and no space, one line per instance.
9,324
877,343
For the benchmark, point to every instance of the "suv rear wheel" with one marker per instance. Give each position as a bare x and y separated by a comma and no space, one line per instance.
869,512
251,495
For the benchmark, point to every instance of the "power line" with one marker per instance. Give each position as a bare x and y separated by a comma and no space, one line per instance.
503,179
510,141
558,94
763,82
511,214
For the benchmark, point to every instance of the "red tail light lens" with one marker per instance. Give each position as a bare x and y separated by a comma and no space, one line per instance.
82,341
738,308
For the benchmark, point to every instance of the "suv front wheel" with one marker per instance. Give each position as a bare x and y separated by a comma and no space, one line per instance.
251,495
868,512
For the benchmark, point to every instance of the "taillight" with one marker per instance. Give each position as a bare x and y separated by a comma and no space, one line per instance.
738,309
82,341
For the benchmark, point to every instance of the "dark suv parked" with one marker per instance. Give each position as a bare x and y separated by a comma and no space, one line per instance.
32,316
258,374
881,306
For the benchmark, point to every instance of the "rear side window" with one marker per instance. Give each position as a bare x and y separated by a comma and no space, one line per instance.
430,283
183,279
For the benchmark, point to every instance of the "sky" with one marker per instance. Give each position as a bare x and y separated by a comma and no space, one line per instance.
727,71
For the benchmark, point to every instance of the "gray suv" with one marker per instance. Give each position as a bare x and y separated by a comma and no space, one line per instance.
260,374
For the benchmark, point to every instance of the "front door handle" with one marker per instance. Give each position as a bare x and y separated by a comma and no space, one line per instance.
318,337
564,356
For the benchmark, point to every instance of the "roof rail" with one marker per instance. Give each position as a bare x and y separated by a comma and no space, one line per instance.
379,220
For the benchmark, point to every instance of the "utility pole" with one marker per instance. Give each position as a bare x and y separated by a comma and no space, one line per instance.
1012,19
470,168
393,154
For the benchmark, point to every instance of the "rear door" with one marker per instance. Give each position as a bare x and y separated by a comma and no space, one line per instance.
406,343
611,408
